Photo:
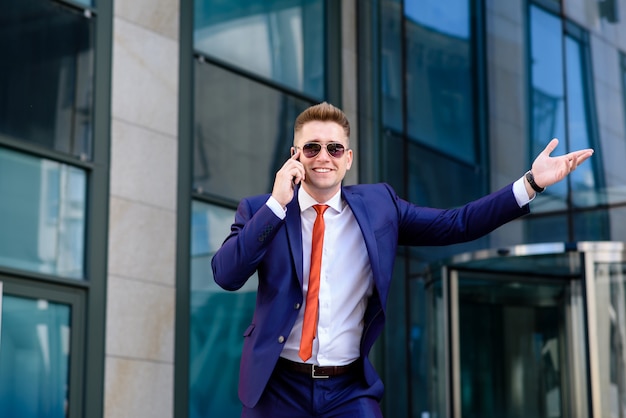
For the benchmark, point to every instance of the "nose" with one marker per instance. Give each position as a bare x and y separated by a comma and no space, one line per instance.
323,154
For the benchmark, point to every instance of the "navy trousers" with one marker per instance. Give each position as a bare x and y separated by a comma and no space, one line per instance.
291,394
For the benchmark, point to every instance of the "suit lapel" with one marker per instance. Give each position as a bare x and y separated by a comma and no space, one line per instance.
293,222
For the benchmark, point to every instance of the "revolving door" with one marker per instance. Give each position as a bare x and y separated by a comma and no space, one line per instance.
530,331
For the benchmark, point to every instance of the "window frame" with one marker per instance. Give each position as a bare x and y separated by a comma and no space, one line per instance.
88,296
187,57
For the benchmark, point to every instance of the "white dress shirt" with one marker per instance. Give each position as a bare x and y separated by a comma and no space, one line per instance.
346,280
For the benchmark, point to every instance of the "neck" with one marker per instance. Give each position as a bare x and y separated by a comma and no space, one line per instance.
321,196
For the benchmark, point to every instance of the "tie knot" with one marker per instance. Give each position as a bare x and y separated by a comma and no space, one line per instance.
320,209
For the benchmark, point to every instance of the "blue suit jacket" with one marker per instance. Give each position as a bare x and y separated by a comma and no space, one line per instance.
260,241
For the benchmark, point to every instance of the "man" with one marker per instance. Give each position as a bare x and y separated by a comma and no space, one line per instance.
324,256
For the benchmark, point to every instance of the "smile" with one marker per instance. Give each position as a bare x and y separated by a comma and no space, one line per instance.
321,170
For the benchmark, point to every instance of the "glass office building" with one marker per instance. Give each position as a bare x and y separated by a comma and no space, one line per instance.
129,131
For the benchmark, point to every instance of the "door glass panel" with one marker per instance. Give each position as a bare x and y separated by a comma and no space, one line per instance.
513,346
42,216
34,358
610,292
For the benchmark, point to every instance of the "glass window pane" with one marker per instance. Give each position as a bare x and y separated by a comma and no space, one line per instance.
392,87
582,180
546,229
217,320
243,133
439,66
623,76
438,181
42,215
84,2
282,40
592,225
47,76
34,358
547,91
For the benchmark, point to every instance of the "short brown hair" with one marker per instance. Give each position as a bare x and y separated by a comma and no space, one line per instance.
323,112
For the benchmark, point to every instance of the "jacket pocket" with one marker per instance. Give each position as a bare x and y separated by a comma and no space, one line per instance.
249,330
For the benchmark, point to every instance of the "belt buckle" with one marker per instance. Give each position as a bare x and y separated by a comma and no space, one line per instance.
314,376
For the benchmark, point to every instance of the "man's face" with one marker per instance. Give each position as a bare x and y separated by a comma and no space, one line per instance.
323,172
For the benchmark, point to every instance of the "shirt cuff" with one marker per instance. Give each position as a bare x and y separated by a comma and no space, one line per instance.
276,207
521,195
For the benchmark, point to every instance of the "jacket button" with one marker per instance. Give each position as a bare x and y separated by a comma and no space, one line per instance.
296,305
281,339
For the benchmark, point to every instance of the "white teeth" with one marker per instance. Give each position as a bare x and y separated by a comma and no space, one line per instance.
322,170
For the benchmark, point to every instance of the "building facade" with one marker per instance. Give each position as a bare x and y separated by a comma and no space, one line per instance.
129,130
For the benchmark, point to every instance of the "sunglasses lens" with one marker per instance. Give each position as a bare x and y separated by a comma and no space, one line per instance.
336,150
311,150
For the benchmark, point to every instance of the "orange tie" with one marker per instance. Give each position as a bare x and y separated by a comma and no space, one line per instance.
310,312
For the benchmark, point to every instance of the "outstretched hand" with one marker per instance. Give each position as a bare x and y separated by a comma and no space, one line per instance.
549,170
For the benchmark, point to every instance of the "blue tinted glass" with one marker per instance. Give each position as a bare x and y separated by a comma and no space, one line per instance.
438,181
282,40
46,93
450,16
583,182
217,320
546,229
548,93
391,66
243,133
623,75
42,215
592,226
85,2
439,66
34,358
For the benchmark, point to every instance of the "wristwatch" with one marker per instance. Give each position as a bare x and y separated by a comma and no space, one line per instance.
531,180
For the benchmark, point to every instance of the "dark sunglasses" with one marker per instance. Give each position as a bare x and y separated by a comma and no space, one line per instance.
311,149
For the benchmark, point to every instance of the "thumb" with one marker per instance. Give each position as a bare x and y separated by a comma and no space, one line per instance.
550,147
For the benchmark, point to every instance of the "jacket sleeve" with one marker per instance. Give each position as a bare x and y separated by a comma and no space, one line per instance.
244,248
429,226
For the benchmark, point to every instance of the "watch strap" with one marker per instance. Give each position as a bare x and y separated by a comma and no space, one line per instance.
531,180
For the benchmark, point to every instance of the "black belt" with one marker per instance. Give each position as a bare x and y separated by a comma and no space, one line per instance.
317,372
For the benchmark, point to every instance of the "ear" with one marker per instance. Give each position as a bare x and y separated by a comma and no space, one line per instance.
349,156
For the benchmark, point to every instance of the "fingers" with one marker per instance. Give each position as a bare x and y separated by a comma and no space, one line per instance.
290,174
576,158
296,170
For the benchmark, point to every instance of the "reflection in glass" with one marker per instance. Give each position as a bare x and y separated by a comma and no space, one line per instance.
282,40
243,132
46,94
34,358
217,320
42,217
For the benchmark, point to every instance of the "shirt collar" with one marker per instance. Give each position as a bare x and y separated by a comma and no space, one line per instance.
306,201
